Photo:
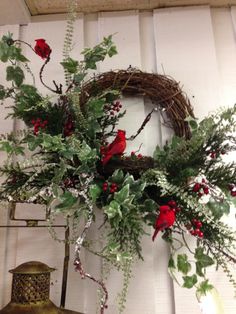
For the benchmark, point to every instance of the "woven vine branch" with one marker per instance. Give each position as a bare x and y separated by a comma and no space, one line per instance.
162,90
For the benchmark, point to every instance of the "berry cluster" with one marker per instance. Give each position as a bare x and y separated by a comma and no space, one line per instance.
38,123
201,188
232,188
115,107
134,156
174,206
111,187
216,153
68,127
69,183
196,231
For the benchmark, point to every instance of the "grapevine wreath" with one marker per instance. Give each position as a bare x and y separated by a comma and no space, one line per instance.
74,159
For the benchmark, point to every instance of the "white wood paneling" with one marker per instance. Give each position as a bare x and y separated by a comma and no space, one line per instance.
186,50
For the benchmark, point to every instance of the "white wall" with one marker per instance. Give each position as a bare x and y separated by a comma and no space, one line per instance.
196,46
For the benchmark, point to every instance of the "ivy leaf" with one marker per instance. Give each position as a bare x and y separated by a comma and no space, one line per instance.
203,288
67,201
113,209
84,151
203,258
4,51
182,263
15,74
94,192
70,65
118,176
203,261
122,195
189,281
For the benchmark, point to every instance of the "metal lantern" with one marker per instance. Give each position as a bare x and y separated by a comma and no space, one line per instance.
30,291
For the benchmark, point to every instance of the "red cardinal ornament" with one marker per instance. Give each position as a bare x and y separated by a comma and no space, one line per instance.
42,49
165,219
117,147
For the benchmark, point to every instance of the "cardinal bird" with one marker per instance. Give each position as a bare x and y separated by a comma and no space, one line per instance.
117,147
165,219
42,49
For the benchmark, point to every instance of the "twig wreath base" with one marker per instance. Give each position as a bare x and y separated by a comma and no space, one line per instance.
162,90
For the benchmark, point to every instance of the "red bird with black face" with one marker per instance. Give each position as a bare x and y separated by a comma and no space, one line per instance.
164,220
117,147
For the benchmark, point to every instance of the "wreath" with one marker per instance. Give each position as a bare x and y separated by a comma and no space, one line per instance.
75,164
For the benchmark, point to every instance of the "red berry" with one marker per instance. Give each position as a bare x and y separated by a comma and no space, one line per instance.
177,209
198,224
213,155
200,194
197,230
132,153
200,234
140,156
172,203
197,187
33,121
206,190
192,232
233,193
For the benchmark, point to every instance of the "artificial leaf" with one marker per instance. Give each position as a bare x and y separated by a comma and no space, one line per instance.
113,209
203,288
122,195
202,258
70,65
94,191
189,281
15,73
67,200
182,263
118,176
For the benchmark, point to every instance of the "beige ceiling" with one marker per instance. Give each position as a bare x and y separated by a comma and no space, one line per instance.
37,7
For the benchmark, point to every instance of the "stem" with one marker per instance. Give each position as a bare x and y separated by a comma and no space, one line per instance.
58,90
79,244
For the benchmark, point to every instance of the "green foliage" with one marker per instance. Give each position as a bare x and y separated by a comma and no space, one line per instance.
203,288
189,281
70,65
182,263
98,53
15,74
202,261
